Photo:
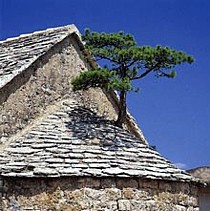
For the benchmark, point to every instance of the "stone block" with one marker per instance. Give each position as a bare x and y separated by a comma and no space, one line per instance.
92,182
191,209
113,193
192,201
76,195
193,190
165,186
182,199
45,171
148,184
112,205
108,183
141,195
80,182
131,183
128,193
180,208
184,188
92,194
124,205
137,205
1,181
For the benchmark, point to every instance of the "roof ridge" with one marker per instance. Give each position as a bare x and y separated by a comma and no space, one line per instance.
68,28
10,57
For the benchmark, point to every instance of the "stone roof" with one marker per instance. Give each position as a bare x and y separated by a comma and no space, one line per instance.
73,141
17,54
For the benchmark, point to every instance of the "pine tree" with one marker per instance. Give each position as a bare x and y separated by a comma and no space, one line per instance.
125,62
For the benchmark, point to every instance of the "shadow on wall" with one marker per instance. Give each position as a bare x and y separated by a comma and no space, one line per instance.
87,126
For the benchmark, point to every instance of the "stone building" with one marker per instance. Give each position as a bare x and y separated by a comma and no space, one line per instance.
60,150
203,174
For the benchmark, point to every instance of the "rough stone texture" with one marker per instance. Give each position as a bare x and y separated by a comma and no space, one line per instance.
202,173
71,140
35,71
16,54
85,194
61,150
45,82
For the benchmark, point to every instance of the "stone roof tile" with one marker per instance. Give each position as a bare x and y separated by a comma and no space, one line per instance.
75,141
17,54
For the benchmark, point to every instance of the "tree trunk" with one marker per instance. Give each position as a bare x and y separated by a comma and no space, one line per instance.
122,109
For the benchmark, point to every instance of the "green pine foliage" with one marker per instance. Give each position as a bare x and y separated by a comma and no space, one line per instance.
127,62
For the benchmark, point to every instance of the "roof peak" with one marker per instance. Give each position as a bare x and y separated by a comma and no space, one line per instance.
18,53
68,28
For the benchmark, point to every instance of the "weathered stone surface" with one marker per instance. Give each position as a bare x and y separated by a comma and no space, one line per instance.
124,205
133,183
21,150
79,155
107,182
128,193
69,171
86,193
202,173
13,61
73,140
36,68
26,96
45,171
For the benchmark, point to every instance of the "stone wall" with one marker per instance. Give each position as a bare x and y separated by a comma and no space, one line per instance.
97,194
45,82
202,173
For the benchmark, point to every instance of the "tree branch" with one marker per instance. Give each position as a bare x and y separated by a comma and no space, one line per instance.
107,58
146,72
143,74
129,65
164,74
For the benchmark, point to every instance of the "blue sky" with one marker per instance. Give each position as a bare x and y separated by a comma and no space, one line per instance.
174,114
